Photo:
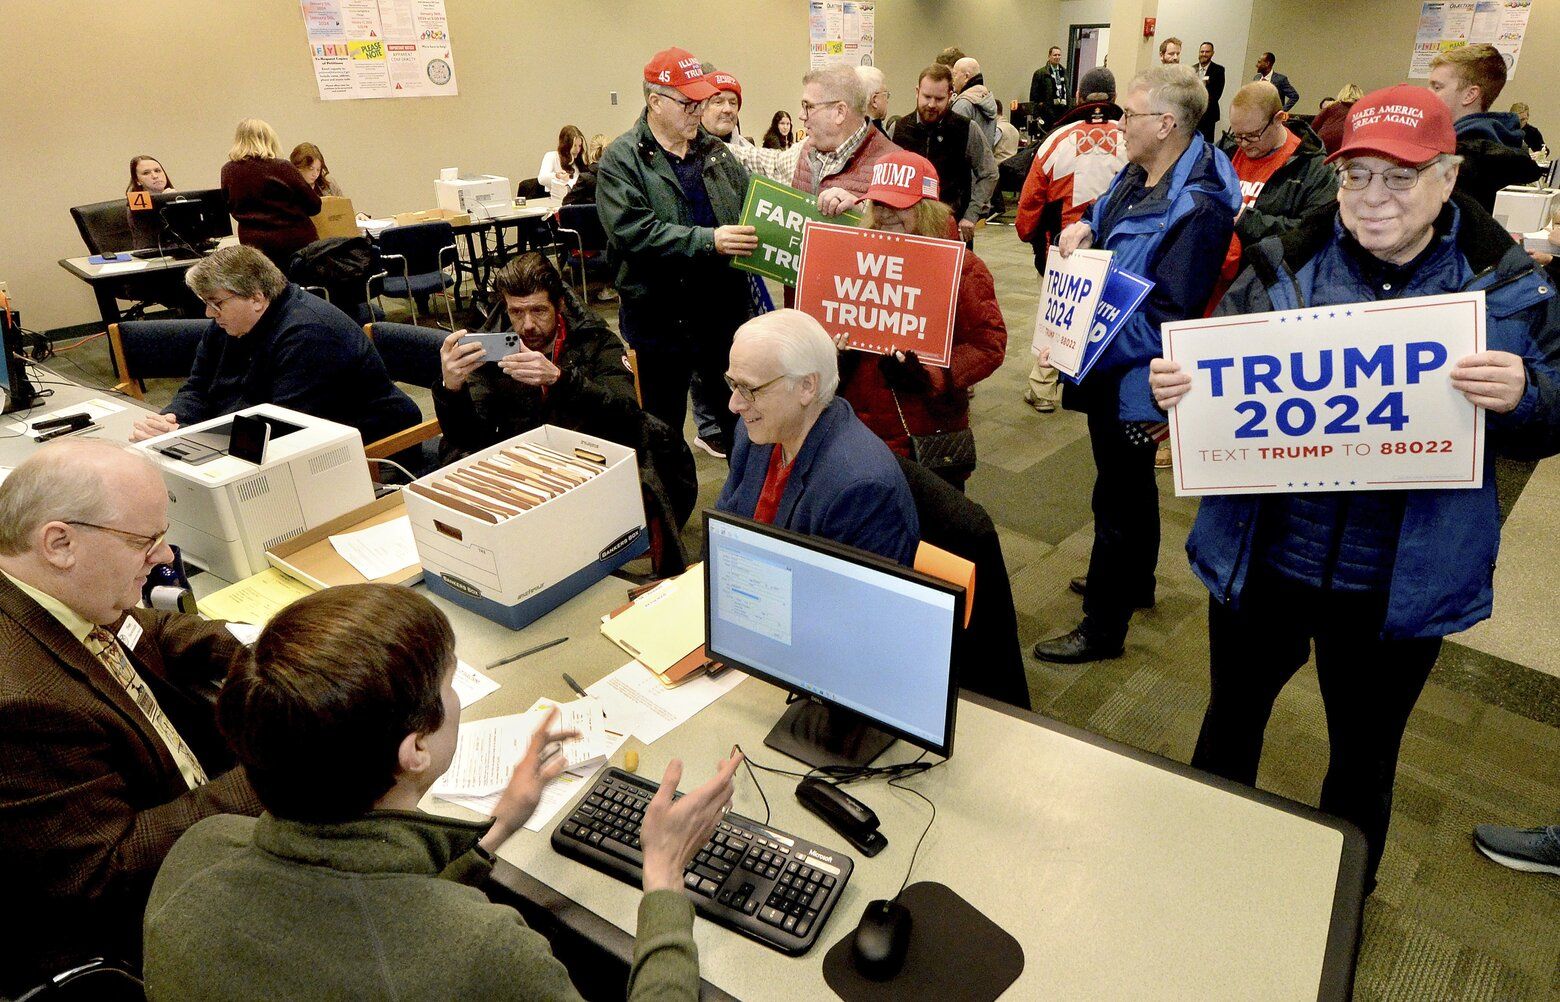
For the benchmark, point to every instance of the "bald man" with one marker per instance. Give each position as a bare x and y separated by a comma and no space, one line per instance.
108,750
975,101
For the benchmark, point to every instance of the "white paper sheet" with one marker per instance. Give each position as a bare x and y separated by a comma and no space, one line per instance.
555,796
97,408
380,549
246,633
487,751
637,703
120,267
470,684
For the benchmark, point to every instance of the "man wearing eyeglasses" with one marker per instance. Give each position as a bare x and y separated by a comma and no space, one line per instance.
1283,171
1374,579
670,195
108,750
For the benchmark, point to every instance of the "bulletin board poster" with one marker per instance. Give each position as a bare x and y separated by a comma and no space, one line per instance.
841,32
1350,397
379,48
1447,24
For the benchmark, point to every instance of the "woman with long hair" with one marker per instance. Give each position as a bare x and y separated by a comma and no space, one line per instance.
561,167
311,164
923,411
147,174
779,136
268,196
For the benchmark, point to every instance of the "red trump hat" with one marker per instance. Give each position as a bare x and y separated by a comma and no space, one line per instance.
902,179
679,69
1404,123
721,80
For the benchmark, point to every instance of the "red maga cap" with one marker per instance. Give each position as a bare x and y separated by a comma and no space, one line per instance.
1405,123
721,80
679,68
902,179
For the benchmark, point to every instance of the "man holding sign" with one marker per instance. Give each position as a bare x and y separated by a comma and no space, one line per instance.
1374,578
1167,217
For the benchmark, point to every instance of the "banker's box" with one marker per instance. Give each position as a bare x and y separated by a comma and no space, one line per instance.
528,564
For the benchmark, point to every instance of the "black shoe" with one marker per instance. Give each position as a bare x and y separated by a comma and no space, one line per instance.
1075,648
1080,585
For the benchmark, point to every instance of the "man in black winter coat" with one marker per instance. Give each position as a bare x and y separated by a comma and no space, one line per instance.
567,370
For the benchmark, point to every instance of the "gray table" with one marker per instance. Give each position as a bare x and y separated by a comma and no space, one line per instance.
1123,874
15,447
105,278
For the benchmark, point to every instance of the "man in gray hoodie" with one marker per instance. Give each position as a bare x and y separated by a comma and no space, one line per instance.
975,101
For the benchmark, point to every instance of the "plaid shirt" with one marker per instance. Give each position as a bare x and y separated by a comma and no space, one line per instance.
780,165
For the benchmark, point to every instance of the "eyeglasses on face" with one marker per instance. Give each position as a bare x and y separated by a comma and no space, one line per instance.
808,107
1127,116
688,107
148,544
1251,137
1396,178
749,393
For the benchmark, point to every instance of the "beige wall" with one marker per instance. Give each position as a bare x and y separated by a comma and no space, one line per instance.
175,86
1322,46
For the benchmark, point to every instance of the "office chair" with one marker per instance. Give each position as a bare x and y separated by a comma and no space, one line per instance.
153,349
987,652
105,229
581,224
411,355
419,261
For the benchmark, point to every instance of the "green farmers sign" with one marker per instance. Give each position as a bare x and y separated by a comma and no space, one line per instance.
777,212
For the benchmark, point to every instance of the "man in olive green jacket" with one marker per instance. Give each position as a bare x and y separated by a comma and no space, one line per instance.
344,714
670,195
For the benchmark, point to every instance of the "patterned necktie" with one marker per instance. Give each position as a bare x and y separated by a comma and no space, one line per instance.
113,657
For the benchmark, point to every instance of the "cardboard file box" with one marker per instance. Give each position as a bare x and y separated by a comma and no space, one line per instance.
336,218
433,216
526,565
311,559
1521,209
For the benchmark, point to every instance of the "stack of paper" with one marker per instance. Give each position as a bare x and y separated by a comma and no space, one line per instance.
380,550
517,478
255,599
487,751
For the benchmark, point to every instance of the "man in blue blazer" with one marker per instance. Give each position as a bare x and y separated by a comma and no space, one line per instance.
801,459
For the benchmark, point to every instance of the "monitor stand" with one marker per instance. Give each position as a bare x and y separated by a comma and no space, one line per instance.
821,735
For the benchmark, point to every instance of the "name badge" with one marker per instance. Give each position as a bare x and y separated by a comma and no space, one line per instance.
130,633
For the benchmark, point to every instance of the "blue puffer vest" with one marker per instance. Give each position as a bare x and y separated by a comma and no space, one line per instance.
1442,575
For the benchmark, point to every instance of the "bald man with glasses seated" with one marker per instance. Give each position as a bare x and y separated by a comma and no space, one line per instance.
109,749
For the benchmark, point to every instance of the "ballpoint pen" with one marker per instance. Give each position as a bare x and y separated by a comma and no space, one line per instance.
528,651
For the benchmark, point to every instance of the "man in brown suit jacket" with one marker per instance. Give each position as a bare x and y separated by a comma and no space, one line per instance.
108,750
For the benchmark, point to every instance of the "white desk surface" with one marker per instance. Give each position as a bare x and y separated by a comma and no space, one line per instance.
1120,877
1121,874
15,447
84,269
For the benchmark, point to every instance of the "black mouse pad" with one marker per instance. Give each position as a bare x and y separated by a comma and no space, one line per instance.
956,953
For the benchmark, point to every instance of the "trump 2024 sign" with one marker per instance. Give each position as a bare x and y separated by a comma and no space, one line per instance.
1338,398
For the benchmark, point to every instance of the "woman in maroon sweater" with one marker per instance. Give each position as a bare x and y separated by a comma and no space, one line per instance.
267,195
897,395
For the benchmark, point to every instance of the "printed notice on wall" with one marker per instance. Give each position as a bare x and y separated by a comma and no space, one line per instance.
841,32
379,48
1447,24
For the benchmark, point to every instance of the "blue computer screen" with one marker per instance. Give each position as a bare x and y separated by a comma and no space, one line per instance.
858,636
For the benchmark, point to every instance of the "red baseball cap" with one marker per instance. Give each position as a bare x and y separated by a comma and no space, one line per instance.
725,81
679,68
1405,123
902,179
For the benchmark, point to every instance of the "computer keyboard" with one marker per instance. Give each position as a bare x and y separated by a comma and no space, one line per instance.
758,880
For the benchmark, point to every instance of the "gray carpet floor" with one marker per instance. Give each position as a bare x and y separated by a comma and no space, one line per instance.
1482,745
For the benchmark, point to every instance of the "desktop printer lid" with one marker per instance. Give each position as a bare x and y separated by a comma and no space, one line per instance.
199,452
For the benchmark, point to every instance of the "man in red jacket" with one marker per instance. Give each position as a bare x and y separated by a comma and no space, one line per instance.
1073,166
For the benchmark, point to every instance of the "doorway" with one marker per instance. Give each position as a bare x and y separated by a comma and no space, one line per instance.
1087,47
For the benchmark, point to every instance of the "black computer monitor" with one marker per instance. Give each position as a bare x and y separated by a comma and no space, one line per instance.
19,391
866,643
189,221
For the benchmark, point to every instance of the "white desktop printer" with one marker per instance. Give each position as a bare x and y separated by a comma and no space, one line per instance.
225,512
473,193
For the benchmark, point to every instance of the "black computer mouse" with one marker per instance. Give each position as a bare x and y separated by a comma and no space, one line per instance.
881,939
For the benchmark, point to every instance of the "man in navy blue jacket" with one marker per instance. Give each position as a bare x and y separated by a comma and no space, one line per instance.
1167,216
272,343
802,460
1374,579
